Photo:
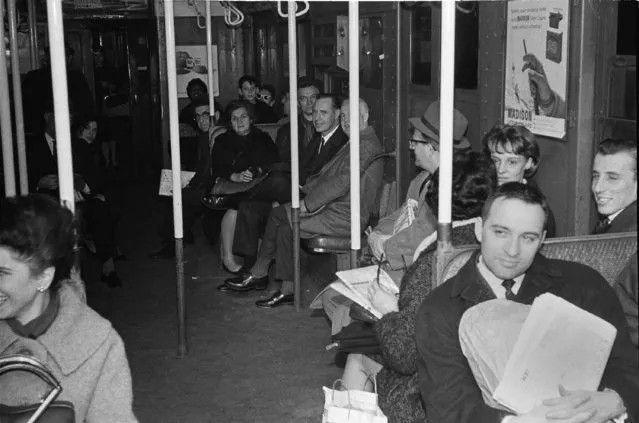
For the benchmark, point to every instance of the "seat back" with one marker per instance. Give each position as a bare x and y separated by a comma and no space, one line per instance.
270,128
608,254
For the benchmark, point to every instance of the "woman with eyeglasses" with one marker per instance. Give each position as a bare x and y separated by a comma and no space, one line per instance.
516,154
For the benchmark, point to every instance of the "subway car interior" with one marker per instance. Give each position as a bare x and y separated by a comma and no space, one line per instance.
179,131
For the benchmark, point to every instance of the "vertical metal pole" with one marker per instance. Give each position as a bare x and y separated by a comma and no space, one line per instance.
353,94
169,26
33,35
209,58
446,98
295,172
17,98
5,117
398,105
61,102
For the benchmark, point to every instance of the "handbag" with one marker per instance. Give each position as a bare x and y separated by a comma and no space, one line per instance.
47,410
351,406
358,337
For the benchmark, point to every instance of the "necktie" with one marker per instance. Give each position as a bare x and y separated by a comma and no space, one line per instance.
319,150
602,226
508,286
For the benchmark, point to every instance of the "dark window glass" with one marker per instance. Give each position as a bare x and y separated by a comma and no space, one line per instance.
467,48
421,45
626,28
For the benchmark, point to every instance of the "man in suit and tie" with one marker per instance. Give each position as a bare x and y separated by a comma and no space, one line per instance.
324,210
614,185
327,139
509,265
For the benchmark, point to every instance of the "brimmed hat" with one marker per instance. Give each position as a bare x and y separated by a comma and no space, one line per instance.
429,125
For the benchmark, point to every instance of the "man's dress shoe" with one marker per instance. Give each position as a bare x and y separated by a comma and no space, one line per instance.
276,300
247,282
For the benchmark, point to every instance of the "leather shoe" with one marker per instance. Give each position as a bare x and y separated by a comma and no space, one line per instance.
223,202
247,282
166,252
276,300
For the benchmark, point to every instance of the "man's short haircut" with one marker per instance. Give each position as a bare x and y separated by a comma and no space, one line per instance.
200,101
305,82
474,181
240,104
611,146
194,83
519,191
247,78
270,89
336,100
516,139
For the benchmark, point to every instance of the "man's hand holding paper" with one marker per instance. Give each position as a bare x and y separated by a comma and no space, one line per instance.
607,405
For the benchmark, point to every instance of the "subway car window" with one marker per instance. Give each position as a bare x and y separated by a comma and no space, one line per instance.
421,45
626,27
467,48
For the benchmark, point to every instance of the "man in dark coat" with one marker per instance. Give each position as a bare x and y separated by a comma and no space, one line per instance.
253,213
614,185
325,209
509,266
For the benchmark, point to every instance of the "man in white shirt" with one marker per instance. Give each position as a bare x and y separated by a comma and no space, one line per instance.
508,265
614,185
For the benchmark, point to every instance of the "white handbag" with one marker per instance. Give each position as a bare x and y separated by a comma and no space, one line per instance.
351,406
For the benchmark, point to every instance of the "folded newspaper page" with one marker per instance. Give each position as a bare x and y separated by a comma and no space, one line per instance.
166,181
559,344
354,285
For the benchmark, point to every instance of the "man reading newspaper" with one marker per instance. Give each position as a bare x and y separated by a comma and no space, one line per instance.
508,265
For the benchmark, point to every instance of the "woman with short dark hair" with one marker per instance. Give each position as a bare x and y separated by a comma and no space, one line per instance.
516,154
43,314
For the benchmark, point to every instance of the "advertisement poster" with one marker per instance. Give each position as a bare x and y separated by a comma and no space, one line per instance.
191,63
537,66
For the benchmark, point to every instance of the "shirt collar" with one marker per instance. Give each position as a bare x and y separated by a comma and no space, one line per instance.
612,216
329,135
495,282
40,324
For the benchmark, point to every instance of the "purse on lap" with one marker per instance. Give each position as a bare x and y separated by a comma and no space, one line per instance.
47,410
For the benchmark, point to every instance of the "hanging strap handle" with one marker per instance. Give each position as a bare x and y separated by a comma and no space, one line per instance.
298,12
29,364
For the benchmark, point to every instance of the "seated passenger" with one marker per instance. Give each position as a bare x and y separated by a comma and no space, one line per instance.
198,94
515,151
247,90
95,208
396,242
320,138
44,314
266,95
474,180
614,185
508,265
324,210
192,193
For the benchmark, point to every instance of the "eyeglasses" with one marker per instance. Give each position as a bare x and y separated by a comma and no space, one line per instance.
265,97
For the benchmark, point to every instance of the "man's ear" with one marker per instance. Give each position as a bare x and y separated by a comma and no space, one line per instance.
529,163
479,226
239,92
543,238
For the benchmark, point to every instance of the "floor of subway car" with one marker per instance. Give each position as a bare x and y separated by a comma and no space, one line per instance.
244,364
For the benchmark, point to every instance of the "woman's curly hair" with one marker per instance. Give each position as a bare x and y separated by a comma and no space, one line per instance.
474,180
41,233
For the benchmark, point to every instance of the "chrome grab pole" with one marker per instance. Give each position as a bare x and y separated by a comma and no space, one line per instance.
446,98
5,117
209,59
61,103
17,98
295,172
169,25
353,94
34,52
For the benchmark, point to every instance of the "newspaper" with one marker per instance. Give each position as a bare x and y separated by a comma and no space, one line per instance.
354,284
166,181
559,344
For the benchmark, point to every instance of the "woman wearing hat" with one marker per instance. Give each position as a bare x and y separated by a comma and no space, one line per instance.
515,152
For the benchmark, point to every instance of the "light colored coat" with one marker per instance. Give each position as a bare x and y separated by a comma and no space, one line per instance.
328,196
84,353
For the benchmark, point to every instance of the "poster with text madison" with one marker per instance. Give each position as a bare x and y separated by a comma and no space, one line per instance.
536,64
